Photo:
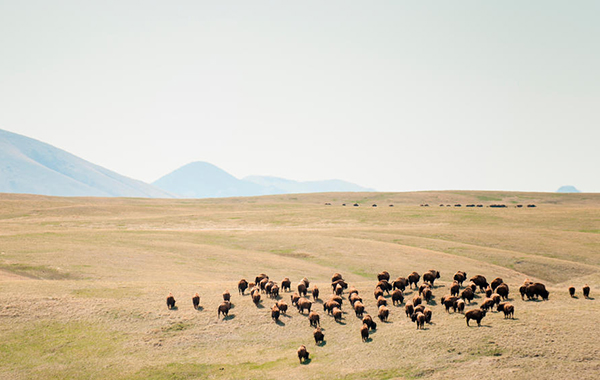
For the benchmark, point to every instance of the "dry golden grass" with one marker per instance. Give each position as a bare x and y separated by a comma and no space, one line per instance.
83,283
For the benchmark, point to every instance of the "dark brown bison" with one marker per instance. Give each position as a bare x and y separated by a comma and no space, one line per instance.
255,297
224,309
467,294
302,290
409,308
242,286
263,284
497,281
400,283
282,307
339,290
303,304
480,281
335,277
397,297
508,309
496,297
226,296
359,309
476,315
385,275
385,286
378,292
381,301
413,278
572,291
450,302
472,286
487,304
275,313
417,300
337,299
337,314
196,300
423,287
329,305
295,297
260,277
488,291
314,319
305,281
269,287
274,291
364,332
460,305
454,288
431,276
383,313
367,320
427,294
352,291
315,292
537,289
586,291
338,282
354,297
502,290
319,336
419,319
460,277
302,354
286,284
170,301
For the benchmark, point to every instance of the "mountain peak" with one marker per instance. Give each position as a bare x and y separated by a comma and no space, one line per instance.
567,189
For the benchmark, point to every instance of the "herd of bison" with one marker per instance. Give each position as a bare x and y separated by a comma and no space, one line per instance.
496,296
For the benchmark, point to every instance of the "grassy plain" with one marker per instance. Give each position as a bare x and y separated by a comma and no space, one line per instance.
83,283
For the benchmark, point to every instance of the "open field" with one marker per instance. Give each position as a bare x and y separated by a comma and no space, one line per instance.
83,284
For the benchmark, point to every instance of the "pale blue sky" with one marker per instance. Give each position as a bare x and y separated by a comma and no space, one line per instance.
391,95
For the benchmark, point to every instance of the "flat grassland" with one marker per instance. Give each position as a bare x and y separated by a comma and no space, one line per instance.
83,283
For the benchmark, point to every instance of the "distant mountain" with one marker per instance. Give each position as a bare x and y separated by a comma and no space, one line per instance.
204,180
276,185
32,167
567,189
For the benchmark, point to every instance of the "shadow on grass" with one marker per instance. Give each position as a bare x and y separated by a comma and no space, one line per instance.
340,322
322,343
432,303
200,308
306,361
229,317
279,323
260,305
175,308
367,340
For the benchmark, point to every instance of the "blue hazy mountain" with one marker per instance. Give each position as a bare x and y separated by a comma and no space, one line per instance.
32,167
568,189
205,180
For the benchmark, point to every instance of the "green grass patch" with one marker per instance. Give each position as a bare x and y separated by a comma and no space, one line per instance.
39,272
178,326
108,293
185,371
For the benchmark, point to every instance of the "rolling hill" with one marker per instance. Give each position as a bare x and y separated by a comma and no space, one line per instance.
29,166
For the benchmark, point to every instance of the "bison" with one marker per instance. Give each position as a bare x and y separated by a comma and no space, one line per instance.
409,308
170,301
586,291
302,290
319,336
431,276
335,277
537,289
367,320
286,284
381,301
242,286
385,286
480,281
508,309
460,277
302,354
476,315
397,297
339,290
196,300
467,294
417,300
314,319
454,288
295,297
338,282
419,319
460,305
385,275
383,313
354,297
275,313
413,278
329,305
337,314
400,283
450,302
364,332
487,304
256,297
572,291
378,292
497,281
303,304
224,309
502,290
359,309
427,295
282,307
315,292
226,296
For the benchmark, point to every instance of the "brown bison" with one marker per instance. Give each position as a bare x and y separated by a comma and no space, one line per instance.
454,288
319,336
487,304
364,332
352,291
537,289
302,290
431,276
572,291
354,297
502,290
315,292
419,319
260,277
397,297
409,308
460,277
497,298
286,284
295,297
423,287
383,313
170,301
335,277
255,297
381,301
314,319
497,281
226,296
329,305
385,275
224,309
263,284
305,281
508,309
337,299
385,286
196,300
282,307
242,286
476,315
302,354
337,314
586,291
400,283
450,302
338,282
460,305
413,278
480,281
467,294
367,320
378,292
488,291
274,291
417,300
303,304
275,313
339,290
359,309
427,294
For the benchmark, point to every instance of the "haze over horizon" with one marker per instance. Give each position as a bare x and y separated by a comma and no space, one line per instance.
391,96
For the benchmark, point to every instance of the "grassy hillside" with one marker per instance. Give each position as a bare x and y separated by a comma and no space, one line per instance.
83,283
